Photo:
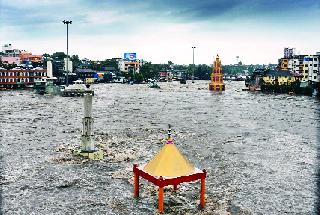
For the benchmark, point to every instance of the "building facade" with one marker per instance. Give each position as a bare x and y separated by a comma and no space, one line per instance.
289,52
9,55
70,66
276,77
28,56
20,78
306,67
10,60
127,66
311,68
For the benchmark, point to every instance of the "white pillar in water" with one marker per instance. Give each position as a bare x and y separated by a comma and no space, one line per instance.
87,137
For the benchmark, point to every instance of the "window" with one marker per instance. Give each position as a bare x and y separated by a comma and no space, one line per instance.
315,65
315,77
315,59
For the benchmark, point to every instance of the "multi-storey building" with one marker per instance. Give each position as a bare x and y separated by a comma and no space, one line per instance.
7,50
283,62
130,65
16,78
10,60
289,52
10,55
69,63
289,62
28,56
311,68
293,65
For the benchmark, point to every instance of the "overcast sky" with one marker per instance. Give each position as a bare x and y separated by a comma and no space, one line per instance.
162,30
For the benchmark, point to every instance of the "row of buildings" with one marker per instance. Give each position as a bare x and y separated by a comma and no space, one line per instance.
9,55
308,66
294,73
27,68
22,69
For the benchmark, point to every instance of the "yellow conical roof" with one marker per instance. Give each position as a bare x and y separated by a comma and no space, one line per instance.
169,162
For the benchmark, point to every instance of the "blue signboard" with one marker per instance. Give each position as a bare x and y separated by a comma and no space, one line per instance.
130,56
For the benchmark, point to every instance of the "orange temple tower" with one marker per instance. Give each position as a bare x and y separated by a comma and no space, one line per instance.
216,83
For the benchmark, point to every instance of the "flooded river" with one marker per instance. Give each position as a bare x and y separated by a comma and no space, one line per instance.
260,150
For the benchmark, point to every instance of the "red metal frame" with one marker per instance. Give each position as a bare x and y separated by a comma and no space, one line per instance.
162,182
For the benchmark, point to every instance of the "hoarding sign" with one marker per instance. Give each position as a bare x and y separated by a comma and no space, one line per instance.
130,56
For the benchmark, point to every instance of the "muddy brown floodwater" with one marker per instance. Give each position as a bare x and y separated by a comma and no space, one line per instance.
259,150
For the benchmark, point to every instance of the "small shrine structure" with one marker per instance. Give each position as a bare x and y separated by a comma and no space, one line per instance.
169,167
216,83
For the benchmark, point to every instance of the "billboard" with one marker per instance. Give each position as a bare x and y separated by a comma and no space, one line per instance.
130,56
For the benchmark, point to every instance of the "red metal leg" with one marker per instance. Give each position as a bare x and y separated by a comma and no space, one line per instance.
202,192
175,187
160,199
136,185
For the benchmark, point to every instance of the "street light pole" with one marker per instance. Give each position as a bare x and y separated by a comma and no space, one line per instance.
67,67
193,47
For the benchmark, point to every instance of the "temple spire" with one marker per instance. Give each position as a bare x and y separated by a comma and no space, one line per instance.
216,83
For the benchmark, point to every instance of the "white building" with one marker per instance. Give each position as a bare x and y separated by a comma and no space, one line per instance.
70,68
311,68
8,51
289,52
293,65
49,69
130,65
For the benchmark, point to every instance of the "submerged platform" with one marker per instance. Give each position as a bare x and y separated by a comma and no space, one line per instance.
93,155
216,87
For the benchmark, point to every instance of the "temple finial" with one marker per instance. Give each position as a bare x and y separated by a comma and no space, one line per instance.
170,139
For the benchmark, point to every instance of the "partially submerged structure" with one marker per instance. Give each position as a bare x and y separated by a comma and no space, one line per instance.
87,148
216,83
169,167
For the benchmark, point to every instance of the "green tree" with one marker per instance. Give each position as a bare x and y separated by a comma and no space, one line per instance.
107,77
138,77
76,62
203,72
150,71
111,63
45,55
59,56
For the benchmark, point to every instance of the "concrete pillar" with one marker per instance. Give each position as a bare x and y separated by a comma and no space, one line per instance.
87,138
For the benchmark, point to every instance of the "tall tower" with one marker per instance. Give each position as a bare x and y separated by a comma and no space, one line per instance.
216,83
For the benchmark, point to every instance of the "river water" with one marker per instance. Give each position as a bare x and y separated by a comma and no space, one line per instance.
260,150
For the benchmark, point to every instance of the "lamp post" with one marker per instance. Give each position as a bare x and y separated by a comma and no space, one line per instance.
193,47
67,67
